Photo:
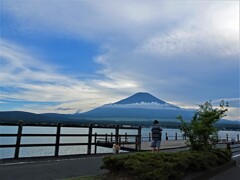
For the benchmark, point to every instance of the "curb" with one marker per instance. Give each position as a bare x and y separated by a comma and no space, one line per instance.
210,173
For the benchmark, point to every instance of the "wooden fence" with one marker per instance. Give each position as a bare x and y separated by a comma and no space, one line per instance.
93,139
105,140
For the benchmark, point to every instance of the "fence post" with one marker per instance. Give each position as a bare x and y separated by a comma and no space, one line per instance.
117,136
95,142
89,138
57,139
237,137
106,138
149,136
228,146
126,139
227,136
175,136
18,141
166,137
139,138
136,143
111,137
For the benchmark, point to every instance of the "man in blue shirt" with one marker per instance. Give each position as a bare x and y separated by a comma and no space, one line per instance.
156,136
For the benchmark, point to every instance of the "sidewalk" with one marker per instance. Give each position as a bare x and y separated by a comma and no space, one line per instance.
165,145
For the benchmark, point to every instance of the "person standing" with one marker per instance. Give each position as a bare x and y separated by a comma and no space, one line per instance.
156,136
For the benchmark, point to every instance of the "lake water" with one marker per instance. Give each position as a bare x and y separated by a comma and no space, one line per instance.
67,150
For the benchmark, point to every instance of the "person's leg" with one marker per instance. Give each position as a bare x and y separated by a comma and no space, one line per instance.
158,145
154,146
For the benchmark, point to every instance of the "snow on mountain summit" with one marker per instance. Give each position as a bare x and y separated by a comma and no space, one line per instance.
139,98
143,99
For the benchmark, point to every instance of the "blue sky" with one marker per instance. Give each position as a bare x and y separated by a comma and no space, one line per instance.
68,56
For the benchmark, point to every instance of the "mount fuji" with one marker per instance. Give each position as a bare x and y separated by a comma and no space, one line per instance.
141,106
138,109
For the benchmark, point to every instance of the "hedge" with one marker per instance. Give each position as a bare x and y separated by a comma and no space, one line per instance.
164,165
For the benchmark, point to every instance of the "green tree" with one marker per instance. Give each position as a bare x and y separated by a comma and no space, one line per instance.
200,132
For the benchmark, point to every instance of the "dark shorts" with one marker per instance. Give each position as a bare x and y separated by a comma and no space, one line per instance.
156,143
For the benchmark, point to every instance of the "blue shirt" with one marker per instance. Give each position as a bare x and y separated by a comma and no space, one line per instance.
156,132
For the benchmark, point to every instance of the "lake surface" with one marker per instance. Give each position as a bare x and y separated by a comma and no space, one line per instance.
67,150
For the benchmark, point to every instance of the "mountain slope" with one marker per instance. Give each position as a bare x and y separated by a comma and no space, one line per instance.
16,116
28,117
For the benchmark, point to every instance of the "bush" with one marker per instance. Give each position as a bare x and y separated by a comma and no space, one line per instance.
147,165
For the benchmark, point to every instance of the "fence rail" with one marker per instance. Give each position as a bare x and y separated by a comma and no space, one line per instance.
182,137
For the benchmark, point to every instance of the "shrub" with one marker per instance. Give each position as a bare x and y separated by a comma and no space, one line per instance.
201,133
147,165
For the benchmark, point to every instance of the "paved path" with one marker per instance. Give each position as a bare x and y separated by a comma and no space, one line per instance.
52,169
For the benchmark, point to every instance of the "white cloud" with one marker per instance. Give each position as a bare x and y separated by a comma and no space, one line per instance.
134,19
233,114
155,27
215,30
89,18
29,79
